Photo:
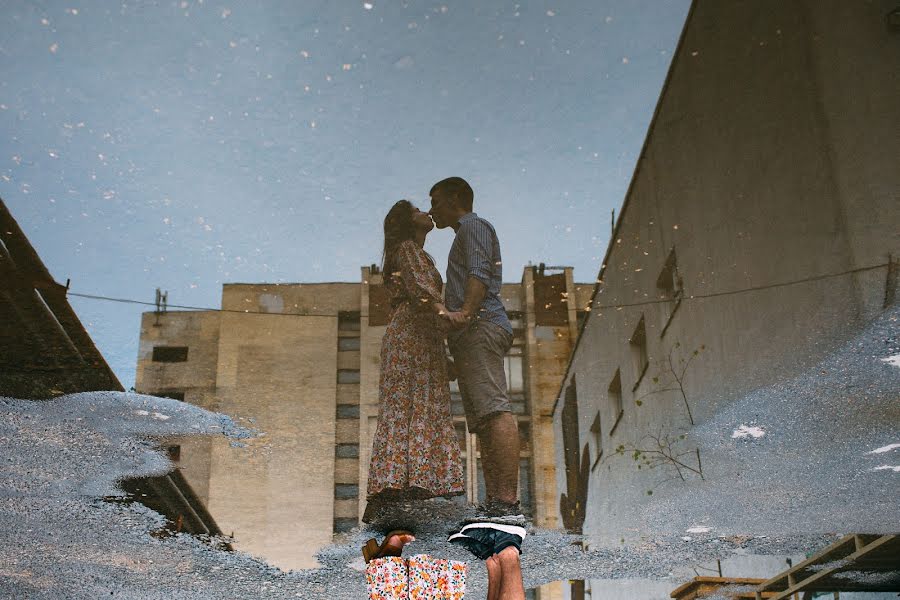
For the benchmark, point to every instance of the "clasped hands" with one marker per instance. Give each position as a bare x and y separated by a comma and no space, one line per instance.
458,319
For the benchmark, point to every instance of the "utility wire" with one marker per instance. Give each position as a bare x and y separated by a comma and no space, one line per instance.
746,290
600,307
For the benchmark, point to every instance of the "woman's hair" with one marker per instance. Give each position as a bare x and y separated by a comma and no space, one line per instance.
398,227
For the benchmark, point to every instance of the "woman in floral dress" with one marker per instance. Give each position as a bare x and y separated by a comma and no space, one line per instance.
415,453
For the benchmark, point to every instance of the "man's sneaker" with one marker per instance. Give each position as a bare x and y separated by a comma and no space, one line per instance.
471,544
498,511
495,536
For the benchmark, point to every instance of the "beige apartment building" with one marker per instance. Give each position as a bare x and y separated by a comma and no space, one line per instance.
301,363
760,229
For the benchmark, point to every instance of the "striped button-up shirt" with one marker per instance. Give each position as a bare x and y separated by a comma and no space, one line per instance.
476,253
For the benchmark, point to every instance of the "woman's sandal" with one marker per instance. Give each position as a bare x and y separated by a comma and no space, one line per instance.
373,550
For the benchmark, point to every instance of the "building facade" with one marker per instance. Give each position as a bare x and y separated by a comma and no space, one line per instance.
301,363
760,229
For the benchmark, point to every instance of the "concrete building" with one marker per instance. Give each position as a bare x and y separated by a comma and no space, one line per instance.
301,362
759,230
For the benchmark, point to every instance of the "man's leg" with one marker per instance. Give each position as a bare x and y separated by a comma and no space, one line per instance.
495,576
499,439
511,585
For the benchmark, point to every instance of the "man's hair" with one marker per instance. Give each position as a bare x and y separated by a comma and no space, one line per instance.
457,187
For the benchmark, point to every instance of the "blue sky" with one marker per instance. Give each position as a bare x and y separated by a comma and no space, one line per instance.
186,144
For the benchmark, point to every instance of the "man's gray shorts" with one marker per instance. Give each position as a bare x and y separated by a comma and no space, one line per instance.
478,352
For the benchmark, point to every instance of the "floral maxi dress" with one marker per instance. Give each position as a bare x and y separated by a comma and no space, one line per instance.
415,451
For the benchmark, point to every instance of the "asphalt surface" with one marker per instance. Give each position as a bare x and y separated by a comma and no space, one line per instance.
812,474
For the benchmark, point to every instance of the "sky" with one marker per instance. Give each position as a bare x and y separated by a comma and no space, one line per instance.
187,144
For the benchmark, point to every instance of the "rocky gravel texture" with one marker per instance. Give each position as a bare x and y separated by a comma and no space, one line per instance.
815,468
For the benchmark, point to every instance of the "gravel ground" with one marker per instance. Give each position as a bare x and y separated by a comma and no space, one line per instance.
812,470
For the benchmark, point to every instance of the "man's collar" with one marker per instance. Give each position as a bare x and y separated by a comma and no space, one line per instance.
463,219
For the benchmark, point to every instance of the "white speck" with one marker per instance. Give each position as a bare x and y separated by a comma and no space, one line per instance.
745,431
444,9
72,11
368,5
226,12
346,66
695,53
624,60
161,416
312,124
304,54
45,22
54,47
892,360
550,13
887,468
232,44
686,538
884,449
697,529
608,19
142,413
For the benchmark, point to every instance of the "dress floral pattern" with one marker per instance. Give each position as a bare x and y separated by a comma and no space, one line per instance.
415,451
420,577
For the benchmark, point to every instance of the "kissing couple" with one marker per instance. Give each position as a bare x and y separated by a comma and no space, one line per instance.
415,452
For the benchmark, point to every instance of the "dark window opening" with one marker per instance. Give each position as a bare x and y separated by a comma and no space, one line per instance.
348,321
346,491
348,376
639,355
344,524
173,395
615,399
348,411
669,287
170,354
346,451
348,344
597,432
174,453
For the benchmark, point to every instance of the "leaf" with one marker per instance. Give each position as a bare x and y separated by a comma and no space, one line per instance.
639,402
649,492
656,380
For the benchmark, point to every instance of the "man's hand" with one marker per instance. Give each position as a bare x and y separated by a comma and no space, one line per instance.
458,319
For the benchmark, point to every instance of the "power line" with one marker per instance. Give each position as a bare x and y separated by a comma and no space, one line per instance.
747,290
600,307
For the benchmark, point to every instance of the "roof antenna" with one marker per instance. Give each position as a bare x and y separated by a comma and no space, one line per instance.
162,303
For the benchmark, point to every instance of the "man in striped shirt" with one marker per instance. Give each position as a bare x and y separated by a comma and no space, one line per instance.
480,338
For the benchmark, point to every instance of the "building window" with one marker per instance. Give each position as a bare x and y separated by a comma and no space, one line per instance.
597,435
174,453
170,354
348,344
348,411
514,373
346,491
346,451
516,321
670,288
344,524
348,321
615,399
348,376
639,356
